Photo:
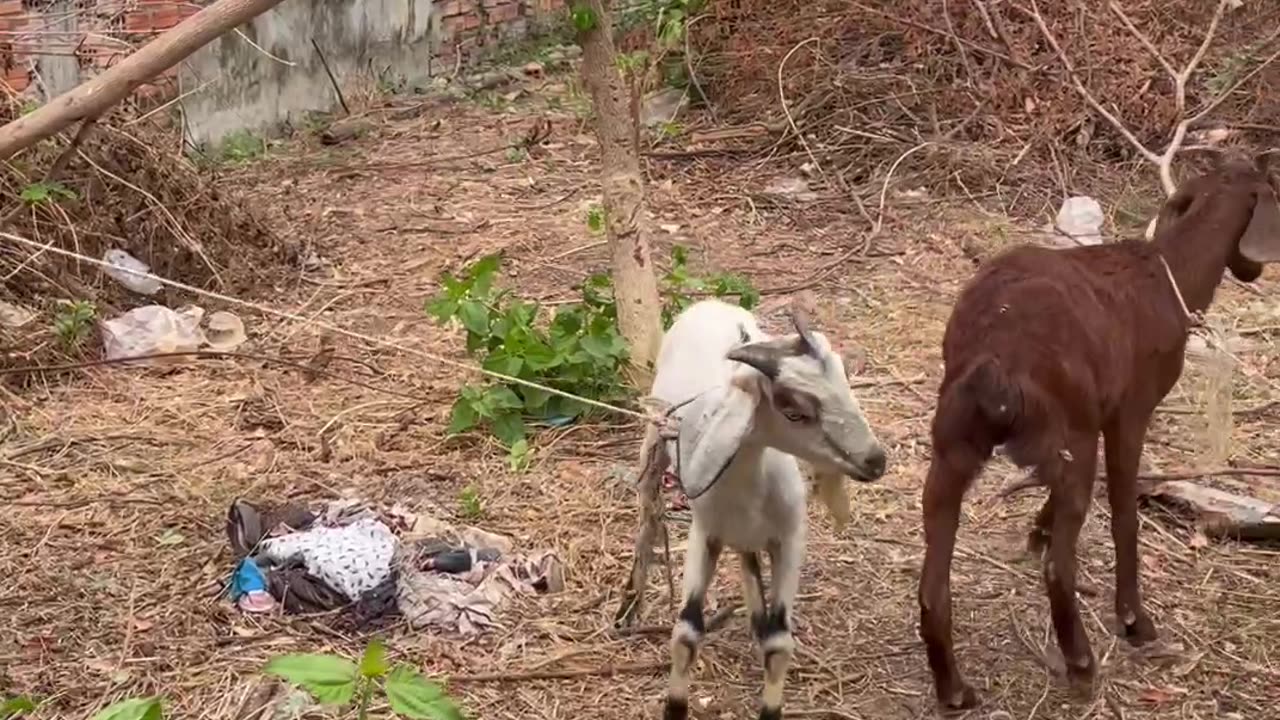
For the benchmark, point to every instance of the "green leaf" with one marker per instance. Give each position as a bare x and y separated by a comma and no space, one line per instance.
508,427
474,317
597,346
534,399
39,192
501,397
482,274
15,706
374,661
332,680
147,708
502,362
595,219
413,696
518,459
441,308
584,18
463,417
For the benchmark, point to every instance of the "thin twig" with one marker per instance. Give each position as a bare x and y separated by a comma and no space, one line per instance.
332,80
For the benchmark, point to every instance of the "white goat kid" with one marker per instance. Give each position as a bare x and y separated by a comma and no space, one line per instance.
761,402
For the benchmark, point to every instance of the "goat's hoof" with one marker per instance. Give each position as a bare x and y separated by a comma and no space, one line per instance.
959,700
1141,631
675,709
1081,675
768,713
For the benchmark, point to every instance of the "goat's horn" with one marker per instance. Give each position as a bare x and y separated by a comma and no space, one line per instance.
800,320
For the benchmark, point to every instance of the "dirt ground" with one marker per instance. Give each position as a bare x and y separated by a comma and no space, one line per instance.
118,481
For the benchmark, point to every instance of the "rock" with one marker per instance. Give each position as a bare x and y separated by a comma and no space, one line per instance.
662,106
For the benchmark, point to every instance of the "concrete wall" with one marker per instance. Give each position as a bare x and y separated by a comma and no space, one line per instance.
270,74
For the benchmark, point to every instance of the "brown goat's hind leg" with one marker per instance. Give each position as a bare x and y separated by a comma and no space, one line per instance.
1124,452
951,471
1071,489
1040,534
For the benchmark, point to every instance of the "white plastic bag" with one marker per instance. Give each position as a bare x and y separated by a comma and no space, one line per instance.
1081,218
121,264
153,329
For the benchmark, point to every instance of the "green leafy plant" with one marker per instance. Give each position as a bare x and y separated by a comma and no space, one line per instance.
146,708
517,154
578,351
595,219
334,680
15,707
680,289
46,192
469,499
73,321
584,18
242,146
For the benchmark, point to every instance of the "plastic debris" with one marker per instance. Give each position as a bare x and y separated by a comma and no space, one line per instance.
14,316
153,329
224,331
1081,218
249,588
124,269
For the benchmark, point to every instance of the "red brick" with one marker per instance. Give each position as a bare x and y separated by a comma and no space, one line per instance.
504,13
471,22
456,7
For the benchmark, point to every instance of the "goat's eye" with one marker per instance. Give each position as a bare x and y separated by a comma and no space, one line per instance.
793,415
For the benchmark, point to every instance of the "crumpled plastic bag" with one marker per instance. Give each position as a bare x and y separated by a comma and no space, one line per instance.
153,329
1081,219
121,264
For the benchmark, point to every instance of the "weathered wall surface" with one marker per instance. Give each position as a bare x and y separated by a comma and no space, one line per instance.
270,71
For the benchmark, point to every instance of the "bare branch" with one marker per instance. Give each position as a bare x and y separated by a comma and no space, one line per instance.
1142,38
1084,91
1163,161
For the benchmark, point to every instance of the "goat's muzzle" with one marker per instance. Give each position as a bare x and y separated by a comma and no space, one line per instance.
872,466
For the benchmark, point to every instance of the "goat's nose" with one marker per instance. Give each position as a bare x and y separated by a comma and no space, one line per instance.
875,463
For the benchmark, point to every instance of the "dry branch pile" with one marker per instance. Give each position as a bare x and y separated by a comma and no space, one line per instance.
979,79
122,185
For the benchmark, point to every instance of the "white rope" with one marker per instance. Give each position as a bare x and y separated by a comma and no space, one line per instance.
333,328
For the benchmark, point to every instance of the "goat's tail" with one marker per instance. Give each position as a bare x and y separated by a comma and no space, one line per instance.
1010,410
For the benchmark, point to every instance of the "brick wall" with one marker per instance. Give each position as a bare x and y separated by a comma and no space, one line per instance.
97,33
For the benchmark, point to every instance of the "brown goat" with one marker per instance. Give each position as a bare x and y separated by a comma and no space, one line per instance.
1044,350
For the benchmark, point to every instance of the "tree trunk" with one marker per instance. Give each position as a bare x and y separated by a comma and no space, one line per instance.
635,284
90,99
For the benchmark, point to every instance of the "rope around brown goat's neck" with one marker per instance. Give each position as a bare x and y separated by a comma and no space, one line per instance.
1193,319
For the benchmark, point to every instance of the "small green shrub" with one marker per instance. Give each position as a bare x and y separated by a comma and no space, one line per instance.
578,350
334,680
73,322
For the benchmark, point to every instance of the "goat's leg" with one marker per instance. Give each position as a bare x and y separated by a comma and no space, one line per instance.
686,636
774,630
753,588
951,471
1124,442
1070,491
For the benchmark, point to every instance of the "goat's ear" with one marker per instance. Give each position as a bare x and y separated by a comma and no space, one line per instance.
1261,240
718,438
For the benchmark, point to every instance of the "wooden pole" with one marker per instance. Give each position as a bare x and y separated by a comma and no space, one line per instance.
92,98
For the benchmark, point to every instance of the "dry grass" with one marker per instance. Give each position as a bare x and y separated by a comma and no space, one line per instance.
117,481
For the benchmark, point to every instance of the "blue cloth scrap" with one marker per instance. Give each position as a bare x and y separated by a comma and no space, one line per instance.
247,578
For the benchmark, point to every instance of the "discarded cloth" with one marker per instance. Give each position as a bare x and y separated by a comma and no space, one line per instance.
350,559
466,601
374,563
